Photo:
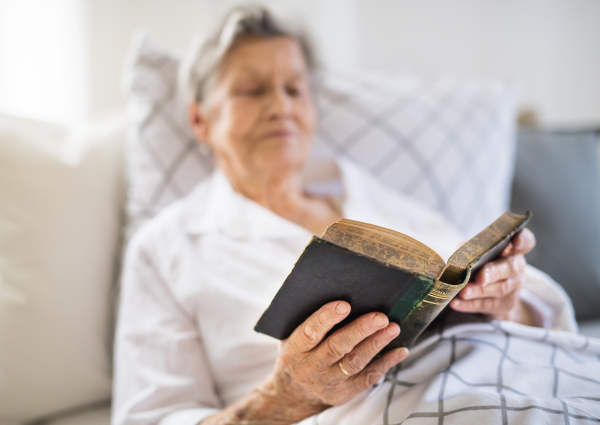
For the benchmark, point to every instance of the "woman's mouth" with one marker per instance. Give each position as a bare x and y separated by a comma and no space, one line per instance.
278,134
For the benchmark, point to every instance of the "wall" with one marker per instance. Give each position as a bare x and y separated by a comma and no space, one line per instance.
549,48
42,60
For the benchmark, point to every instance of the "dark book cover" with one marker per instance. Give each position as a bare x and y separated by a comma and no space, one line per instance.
327,271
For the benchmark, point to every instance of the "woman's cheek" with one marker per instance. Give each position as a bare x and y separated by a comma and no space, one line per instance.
307,114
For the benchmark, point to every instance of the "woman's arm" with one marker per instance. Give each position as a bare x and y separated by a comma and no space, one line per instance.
308,378
160,365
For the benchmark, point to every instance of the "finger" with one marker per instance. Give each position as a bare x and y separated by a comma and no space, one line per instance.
312,331
488,306
377,369
344,340
363,353
522,243
497,289
503,268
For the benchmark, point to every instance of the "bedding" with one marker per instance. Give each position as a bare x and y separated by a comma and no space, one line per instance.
483,373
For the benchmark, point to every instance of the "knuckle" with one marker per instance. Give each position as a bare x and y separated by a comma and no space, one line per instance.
335,348
308,334
353,362
513,265
318,324
376,344
365,326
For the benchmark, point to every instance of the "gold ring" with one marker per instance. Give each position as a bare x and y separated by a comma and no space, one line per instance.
344,371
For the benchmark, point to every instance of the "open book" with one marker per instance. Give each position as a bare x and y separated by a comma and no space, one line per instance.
377,269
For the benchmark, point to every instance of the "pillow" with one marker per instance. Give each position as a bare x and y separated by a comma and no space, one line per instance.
557,176
448,142
60,201
163,159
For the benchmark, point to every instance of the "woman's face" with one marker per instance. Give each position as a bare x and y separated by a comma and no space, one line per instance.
259,115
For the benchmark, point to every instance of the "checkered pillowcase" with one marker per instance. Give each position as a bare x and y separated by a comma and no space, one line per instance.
447,142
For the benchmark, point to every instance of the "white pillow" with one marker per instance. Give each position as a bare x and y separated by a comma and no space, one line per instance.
163,159
448,142
60,207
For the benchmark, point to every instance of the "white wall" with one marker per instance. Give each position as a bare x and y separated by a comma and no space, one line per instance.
174,23
42,59
550,48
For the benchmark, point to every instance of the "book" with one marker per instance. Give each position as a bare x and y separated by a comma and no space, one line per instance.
378,269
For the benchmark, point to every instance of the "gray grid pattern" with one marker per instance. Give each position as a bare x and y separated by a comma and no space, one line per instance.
164,162
554,400
447,142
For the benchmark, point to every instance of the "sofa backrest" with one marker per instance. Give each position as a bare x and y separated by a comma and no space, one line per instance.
61,197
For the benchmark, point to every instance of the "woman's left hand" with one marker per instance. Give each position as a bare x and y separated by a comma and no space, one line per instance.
494,290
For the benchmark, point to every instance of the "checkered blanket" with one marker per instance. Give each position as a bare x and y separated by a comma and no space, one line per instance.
484,373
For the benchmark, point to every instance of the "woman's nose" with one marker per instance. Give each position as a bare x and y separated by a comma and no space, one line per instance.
279,104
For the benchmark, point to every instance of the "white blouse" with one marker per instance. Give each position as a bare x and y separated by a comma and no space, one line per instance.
198,276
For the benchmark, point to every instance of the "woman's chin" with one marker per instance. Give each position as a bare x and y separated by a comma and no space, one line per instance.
282,158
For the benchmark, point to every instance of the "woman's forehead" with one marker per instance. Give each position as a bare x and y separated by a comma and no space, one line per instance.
265,57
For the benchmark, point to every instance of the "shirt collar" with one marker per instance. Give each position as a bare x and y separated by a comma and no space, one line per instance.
215,207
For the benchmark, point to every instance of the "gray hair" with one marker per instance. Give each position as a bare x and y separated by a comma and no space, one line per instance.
201,65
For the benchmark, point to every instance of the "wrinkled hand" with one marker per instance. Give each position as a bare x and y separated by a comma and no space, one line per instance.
307,376
494,290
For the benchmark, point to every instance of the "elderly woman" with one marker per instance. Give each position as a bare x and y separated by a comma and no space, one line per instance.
199,275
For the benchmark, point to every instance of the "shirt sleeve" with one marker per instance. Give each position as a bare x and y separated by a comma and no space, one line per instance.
161,371
548,300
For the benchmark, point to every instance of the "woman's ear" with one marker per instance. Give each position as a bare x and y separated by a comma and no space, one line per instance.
198,123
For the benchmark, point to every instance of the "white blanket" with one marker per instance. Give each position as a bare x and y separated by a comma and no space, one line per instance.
484,373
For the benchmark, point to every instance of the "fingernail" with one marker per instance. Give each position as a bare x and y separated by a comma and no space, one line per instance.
378,320
468,292
404,352
486,276
341,308
373,378
392,330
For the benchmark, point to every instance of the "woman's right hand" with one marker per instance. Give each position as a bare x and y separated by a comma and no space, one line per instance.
308,378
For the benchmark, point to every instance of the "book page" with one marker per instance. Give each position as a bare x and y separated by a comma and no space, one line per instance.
385,245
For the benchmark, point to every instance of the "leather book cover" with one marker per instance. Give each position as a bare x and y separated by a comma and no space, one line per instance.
324,273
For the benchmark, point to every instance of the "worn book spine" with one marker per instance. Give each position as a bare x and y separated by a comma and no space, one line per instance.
420,306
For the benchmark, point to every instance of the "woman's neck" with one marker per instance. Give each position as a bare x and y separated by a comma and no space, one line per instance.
283,194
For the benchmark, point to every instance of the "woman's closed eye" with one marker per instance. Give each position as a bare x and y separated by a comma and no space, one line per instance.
294,91
250,91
